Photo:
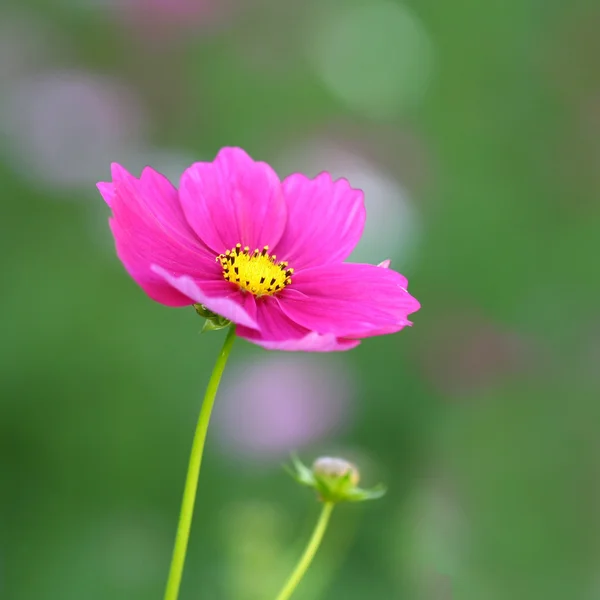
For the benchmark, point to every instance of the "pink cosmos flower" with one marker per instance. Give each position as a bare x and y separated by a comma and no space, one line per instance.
266,254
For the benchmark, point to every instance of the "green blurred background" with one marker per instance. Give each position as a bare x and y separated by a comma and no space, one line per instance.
474,129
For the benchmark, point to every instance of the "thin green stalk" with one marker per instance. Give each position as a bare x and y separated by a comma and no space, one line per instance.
309,553
191,482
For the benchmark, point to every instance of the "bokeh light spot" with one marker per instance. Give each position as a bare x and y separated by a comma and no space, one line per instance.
376,58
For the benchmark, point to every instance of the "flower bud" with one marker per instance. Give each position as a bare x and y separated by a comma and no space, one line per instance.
334,468
334,480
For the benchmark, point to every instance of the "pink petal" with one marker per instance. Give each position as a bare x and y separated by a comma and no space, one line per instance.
162,200
325,221
349,300
149,227
233,200
220,296
385,264
139,269
154,200
278,332
107,191
311,342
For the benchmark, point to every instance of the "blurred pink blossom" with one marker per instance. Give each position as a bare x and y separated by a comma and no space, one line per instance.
63,127
180,10
283,403
467,354
27,44
159,18
569,58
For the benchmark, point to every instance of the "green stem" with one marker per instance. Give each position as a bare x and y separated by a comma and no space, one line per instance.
191,481
313,545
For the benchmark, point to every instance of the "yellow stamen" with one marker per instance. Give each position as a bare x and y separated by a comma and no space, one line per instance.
256,272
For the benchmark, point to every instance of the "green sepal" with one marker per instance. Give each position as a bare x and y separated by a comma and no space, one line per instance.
300,472
203,311
213,322
214,326
360,495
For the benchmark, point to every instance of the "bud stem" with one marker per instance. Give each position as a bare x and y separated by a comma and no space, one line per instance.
309,553
193,473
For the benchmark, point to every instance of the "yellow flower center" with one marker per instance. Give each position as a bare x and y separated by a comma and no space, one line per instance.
256,272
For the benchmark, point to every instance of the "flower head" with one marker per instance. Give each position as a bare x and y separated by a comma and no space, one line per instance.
265,254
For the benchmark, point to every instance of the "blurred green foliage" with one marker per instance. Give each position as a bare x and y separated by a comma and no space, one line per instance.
494,479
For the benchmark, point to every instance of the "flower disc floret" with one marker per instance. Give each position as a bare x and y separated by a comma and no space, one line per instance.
256,272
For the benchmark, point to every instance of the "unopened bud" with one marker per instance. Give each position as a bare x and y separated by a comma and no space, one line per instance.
335,468
334,480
